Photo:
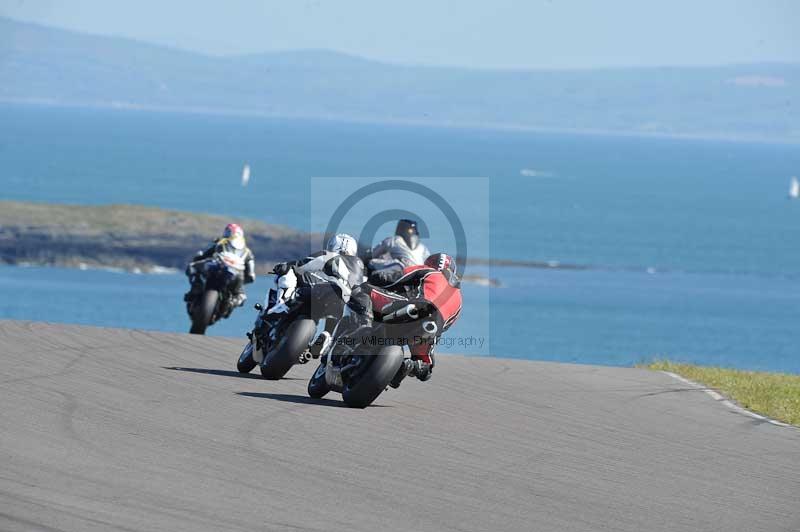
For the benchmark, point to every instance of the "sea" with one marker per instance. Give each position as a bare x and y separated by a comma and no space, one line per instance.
615,250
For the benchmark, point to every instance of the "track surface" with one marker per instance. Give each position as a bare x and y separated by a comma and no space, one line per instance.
109,429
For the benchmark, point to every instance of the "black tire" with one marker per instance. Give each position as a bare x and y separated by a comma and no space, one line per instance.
317,385
203,311
245,364
293,342
375,378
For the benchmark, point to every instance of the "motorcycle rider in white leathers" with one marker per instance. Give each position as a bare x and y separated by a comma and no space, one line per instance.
397,252
232,241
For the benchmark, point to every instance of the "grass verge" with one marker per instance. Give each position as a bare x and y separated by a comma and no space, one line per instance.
775,395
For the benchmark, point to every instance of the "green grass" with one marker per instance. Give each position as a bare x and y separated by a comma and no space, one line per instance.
775,395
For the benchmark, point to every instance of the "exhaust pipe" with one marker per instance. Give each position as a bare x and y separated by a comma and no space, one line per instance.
409,310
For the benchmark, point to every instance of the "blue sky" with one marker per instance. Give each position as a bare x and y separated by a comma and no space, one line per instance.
479,34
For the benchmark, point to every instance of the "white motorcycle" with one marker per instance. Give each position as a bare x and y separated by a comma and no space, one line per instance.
284,334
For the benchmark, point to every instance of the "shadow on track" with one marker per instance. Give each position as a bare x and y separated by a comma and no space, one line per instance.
225,373
299,399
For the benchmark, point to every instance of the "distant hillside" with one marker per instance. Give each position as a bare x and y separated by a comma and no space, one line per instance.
45,65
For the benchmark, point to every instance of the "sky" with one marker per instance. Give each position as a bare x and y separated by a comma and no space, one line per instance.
531,34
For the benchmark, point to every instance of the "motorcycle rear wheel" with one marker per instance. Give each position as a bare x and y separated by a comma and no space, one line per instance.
383,365
204,311
278,361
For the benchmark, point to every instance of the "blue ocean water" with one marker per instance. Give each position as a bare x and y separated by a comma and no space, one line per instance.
610,202
709,221
594,316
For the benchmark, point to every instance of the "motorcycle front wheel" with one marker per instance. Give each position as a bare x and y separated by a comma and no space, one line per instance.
286,354
317,385
204,311
366,387
245,364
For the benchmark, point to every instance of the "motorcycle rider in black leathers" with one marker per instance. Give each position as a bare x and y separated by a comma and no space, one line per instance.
232,241
396,252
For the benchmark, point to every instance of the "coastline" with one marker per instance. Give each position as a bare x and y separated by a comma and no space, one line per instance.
129,237
139,239
142,239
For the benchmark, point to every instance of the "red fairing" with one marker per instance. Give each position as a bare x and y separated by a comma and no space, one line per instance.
430,285
443,295
381,298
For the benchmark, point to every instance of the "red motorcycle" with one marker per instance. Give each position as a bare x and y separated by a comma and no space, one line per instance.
361,367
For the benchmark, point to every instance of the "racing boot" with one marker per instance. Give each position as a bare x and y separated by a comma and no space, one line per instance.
415,368
422,361
421,370
238,299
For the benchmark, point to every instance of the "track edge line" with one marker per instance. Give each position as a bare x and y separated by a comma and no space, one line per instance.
728,402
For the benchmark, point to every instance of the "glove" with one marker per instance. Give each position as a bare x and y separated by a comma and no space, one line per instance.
386,276
282,268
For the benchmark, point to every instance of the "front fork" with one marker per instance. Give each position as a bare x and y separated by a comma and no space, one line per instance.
258,339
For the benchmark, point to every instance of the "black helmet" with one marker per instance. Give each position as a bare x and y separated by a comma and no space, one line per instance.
407,229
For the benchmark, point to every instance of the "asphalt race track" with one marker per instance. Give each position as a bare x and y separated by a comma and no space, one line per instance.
111,429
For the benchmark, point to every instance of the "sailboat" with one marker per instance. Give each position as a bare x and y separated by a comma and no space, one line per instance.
794,189
245,175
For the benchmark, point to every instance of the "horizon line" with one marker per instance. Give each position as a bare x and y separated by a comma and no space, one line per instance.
400,64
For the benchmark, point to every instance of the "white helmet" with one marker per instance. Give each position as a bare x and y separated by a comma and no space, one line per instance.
343,244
